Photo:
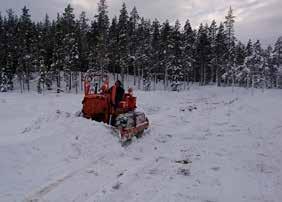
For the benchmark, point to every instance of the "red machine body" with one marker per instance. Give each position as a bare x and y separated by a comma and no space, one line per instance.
98,106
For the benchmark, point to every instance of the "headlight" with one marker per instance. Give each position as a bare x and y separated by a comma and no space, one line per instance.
123,121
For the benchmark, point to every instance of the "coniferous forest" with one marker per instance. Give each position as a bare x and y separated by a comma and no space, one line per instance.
61,50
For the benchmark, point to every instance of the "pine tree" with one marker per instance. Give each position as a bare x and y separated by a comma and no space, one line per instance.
113,47
254,65
221,50
123,44
249,48
278,52
2,41
230,41
58,52
133,39
83,31
212,34
47,41
166,52
143,54
3,71
102,38
203,53
10,43
156,50
42,76
3,75
25,45
240,54
70,47
176,70
93,41
271,67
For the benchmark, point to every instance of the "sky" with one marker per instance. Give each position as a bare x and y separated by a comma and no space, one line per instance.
255,19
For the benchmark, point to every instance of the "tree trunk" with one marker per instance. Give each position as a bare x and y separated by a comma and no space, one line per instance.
155,81
139,79
134,75
70,82
253,84
81,81
212,75
233,82
165,79
58,83
205,74
21,84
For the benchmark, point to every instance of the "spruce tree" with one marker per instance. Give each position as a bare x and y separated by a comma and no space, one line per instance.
102,38
278,52
203,53
272,68
166,53
133,40
113,47
230,41
123,45
143,54
221,52
156,51
58,52
83,45
212,34
70,47
25,45
176,70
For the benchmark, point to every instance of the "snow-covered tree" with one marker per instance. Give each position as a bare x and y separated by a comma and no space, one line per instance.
133,40
3,80
42,76
203,51
83,45
188,50
176,70
230,42
70,47
25,44
212,34
58,52
254,66
102,38
166,53
277,59
145,52
123,52
113,47
156,51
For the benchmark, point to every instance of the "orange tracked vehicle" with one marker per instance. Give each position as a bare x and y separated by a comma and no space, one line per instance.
100,105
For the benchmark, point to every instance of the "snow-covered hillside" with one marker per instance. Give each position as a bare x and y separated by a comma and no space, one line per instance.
204,145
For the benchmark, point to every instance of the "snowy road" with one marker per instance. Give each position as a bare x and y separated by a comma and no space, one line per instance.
204,145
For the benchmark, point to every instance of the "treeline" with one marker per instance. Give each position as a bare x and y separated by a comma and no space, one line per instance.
130,45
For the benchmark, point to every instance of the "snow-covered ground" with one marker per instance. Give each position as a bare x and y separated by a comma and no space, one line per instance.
206,145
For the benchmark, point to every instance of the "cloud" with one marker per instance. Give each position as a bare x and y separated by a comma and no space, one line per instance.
84,4
257,19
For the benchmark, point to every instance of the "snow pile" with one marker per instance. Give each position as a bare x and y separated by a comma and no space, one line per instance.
207,144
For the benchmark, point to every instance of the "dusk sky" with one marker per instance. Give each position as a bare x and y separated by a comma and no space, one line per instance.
255,19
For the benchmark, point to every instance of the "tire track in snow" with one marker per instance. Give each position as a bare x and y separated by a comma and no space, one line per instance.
46,189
